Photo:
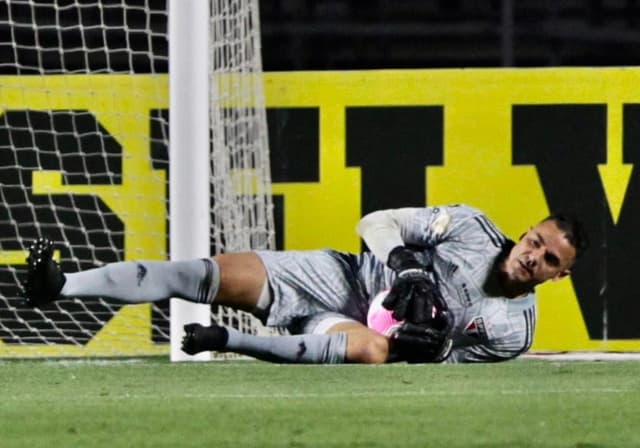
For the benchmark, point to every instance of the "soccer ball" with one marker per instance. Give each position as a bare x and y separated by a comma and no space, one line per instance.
379,318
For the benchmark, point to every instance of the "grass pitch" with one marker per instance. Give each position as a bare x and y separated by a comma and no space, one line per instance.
154,403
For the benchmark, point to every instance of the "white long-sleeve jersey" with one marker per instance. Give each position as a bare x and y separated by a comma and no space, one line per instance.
464,246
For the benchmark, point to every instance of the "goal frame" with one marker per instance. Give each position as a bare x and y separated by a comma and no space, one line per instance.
189,163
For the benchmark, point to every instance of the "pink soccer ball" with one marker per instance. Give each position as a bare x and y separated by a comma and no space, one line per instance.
379,318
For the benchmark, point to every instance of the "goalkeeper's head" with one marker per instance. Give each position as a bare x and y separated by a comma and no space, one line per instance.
546,251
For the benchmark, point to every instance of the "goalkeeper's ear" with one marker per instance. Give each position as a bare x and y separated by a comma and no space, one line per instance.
561,275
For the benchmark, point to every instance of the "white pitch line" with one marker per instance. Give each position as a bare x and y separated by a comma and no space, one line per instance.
295,396
584,356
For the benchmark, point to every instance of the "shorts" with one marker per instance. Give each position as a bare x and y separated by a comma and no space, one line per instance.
312,289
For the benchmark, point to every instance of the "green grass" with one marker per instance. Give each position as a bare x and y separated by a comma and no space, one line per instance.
153,403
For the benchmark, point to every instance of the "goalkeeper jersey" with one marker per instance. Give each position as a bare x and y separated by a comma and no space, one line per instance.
463,246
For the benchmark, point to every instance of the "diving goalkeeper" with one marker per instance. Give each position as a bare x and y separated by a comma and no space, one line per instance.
457,289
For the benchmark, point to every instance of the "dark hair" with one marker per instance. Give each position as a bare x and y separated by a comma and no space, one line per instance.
573,230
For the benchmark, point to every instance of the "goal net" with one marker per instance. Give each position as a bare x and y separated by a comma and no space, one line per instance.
84,124
242,214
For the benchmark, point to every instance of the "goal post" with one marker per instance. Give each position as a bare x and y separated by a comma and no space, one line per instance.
224,54
87,128
189,153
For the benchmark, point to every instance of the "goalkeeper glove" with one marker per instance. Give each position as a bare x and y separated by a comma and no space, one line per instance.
421,344
413,295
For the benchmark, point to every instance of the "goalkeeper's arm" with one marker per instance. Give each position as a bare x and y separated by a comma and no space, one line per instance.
382,231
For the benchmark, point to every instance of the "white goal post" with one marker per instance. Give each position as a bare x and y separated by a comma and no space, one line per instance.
97,157
189,152
216,76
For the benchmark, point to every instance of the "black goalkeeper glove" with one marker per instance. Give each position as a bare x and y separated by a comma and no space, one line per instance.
414,299
421,344
413,295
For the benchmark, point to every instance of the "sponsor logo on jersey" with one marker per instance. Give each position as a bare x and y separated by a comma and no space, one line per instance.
463,293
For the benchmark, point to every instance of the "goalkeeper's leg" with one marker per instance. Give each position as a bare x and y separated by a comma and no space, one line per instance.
235,280
240,282
128,282
302,348
344,342
364,345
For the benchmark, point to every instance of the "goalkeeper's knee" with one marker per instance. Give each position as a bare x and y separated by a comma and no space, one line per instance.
367,347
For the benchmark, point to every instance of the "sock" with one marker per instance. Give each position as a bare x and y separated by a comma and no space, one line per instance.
147,281
302,348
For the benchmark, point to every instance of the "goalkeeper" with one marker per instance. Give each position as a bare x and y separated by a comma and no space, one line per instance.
458,289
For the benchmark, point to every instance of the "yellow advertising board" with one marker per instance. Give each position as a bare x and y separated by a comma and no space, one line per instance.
498,143
478,161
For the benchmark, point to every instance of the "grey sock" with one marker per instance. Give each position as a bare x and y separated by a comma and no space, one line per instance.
147,281
302,348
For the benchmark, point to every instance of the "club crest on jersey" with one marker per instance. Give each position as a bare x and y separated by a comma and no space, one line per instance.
476,328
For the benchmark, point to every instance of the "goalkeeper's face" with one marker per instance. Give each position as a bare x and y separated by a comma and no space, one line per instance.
543,253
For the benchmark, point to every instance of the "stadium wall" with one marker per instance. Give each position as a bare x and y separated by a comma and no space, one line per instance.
516,143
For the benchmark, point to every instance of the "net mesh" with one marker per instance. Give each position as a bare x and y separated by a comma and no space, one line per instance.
242,215
84,141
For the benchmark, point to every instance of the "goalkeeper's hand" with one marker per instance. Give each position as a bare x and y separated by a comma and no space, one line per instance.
413,297
421,343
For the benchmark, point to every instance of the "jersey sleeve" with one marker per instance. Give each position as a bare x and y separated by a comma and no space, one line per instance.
480,353
421,227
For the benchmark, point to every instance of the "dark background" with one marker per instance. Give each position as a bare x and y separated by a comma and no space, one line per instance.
333,34
363,34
